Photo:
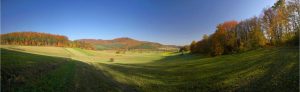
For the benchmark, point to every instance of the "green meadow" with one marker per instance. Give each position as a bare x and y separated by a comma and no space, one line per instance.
57,69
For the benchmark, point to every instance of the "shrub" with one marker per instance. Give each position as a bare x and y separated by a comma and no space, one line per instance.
111,60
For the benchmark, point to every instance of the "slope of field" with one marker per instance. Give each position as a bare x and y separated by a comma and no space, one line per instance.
24,68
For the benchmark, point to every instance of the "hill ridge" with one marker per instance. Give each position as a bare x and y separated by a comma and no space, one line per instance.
126,43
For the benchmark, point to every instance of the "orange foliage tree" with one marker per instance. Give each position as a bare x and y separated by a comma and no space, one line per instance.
278,25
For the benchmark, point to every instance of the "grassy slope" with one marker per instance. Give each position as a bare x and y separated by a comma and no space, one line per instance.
275,69
31,72
263,69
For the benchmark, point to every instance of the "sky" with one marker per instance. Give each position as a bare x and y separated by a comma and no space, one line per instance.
172,22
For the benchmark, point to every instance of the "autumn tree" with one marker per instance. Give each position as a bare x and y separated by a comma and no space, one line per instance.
256,36
224,39
279,25
193,47
41,39
183,49
293,9
204,45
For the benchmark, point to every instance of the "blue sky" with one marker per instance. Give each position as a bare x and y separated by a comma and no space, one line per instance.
176,22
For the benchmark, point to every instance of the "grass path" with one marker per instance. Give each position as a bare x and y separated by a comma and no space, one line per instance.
79,55
75,53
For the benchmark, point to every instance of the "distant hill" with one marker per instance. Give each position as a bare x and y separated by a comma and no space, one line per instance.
47,39
127,43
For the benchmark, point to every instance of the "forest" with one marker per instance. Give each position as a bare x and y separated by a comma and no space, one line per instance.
277,26
41,39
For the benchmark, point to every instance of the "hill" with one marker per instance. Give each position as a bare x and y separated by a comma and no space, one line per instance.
127,43
31,68
46,39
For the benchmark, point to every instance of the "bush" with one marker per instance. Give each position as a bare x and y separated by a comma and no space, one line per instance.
111,60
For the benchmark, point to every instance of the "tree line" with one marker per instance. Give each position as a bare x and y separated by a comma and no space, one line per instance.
41,39
278,25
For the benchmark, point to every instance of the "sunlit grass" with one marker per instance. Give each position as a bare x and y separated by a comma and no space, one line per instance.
271,69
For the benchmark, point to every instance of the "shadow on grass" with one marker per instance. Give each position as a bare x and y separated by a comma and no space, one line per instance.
260,70
282,74
32,72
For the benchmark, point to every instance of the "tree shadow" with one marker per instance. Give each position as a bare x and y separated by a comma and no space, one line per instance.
172,73
282,74
224,73
22,71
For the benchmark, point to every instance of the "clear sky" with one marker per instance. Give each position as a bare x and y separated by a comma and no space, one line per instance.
175,22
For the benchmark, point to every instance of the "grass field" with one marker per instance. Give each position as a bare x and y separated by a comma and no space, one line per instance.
55,69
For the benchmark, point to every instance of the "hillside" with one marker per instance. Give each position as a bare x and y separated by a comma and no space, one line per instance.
47,39
30,68
127,43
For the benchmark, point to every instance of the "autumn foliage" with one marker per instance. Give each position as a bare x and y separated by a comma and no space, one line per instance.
41,39
279,25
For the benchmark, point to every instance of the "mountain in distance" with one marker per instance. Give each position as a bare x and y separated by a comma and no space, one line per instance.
127,43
